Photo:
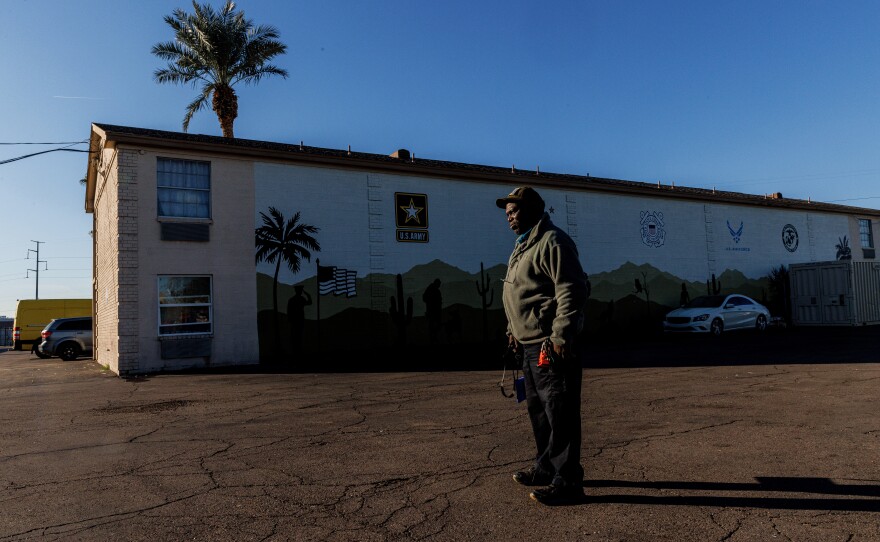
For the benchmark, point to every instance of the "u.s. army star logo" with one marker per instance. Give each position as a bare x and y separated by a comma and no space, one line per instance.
411,210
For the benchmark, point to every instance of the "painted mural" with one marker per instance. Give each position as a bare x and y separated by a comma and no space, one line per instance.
350,260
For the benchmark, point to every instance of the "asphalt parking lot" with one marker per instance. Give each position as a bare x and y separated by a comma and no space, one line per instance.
733,440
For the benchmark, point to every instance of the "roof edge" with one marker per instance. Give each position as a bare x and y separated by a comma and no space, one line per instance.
459,170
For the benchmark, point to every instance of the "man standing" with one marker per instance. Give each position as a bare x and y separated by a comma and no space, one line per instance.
544,295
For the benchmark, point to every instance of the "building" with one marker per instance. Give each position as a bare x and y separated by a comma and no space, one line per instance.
6,331
178,220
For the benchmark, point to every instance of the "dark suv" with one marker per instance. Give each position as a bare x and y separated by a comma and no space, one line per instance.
67,338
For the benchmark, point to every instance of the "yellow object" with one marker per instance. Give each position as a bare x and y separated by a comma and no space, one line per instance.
32,315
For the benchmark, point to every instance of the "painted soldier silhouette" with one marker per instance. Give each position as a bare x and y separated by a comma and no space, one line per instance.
433,303
296,316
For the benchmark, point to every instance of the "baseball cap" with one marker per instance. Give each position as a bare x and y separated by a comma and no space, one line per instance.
524,195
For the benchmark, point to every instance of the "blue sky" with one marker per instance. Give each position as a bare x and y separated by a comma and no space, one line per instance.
749,96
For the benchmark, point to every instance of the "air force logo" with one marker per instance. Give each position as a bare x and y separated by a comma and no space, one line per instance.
736,234
653,231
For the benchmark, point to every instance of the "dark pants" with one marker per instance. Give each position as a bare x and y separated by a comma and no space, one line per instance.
553,398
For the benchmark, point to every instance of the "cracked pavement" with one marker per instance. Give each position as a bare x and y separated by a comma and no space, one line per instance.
731,452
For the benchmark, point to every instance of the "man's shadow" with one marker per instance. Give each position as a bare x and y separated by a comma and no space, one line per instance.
769,484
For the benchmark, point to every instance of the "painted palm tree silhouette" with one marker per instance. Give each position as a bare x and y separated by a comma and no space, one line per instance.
843,250
280,241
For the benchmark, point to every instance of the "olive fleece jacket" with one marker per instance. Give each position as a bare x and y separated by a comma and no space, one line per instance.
545,290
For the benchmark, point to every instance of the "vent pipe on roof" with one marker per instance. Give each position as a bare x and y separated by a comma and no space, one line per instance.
401,154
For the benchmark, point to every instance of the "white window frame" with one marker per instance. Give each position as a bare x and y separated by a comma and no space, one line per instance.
866,234
179,189
206,308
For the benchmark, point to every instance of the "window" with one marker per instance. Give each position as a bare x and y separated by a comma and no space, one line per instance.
738,301
866,236
185,305
184,188
75,325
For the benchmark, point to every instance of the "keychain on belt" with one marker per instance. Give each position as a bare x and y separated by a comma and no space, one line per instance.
545,358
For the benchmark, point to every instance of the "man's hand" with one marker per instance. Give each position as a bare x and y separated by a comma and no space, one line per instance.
512,343
563,351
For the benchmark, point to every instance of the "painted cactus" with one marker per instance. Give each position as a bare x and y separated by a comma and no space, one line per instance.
399,318
482,289
713,288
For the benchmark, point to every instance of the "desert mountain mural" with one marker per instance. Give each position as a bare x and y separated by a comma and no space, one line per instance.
365,319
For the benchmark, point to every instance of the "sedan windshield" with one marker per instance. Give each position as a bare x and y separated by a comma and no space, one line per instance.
706,301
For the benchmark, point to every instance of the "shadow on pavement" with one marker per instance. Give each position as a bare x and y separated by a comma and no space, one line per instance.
803,345
820,486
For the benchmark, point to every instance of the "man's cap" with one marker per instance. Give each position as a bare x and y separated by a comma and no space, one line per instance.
524,195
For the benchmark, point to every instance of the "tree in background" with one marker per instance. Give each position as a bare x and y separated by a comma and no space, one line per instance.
780,292
277,241
218,49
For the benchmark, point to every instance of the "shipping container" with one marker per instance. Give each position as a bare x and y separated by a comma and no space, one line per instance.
835,293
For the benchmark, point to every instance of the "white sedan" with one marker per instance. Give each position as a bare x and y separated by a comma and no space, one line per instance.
716,314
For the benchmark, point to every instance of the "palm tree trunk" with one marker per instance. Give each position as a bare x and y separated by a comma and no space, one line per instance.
275,310
225,104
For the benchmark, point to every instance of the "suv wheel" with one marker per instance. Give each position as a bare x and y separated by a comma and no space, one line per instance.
39,353
68,351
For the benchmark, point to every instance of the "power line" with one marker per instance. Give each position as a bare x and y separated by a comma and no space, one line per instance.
67,149
800,178
49,143
52,278
855,199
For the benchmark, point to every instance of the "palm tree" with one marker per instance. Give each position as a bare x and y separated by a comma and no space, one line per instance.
843,250
218,49
277,241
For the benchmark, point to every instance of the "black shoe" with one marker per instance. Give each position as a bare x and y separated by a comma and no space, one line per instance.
531,477
558,494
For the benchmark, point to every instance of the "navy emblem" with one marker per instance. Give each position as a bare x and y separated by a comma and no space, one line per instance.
789,238
736,234
653,231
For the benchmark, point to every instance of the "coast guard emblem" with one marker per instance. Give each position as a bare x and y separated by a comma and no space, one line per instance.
653,232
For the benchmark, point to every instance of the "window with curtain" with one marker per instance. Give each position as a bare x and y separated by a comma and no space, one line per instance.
185,305
184,188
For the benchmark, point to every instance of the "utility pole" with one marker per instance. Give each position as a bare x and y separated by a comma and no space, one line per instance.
37,267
